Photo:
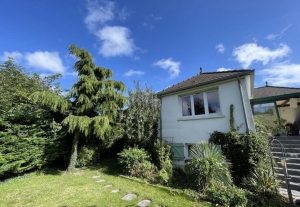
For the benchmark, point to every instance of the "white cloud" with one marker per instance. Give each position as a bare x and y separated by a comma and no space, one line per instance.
220,47
248,53
115,41
224,69
274,36
282,74
170,65
49,61
16,55
134,72
99,14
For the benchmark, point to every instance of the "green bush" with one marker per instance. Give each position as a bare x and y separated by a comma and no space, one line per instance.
144,170
208,167
86,157
162,159
132,157
244,151
227,196
262,184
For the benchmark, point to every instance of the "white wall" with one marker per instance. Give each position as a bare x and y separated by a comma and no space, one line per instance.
195,130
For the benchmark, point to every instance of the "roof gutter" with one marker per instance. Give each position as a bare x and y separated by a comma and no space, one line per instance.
243,103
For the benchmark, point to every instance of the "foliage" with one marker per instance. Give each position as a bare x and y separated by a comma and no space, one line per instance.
86,156
208,167
162,160
244,151
30,136
144,170
227,196
92,103
131,157
142,116
262,184
281,128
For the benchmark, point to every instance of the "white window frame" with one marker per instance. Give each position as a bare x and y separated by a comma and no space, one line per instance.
200,116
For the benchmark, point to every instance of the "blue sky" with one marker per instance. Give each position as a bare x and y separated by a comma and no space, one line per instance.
156,42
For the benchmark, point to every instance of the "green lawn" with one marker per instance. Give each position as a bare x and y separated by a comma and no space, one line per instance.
55,188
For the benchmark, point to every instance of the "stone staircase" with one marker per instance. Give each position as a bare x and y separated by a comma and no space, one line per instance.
292,152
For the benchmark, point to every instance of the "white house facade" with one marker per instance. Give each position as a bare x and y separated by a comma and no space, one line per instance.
193,109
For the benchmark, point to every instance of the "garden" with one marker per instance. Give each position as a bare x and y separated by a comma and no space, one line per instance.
92,145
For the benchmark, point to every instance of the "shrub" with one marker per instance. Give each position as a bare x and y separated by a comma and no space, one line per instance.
144,170
262,184
244,151
86,156
208,167
162,159
227,196
132,157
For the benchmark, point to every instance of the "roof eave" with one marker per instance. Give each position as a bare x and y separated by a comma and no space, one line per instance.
275,98
159,94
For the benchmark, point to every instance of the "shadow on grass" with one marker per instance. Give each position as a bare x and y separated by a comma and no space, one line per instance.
109,166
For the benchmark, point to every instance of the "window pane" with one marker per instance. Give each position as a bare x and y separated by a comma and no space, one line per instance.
186,106
213,102
265,113
199,104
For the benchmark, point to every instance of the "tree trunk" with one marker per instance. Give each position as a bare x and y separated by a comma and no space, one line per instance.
73,157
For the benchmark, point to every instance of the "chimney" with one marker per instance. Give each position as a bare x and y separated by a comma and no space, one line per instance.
266,83
200,70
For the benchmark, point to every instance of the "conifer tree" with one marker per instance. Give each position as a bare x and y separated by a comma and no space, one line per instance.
91,104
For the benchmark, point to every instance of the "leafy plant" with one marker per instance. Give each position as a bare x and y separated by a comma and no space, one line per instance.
162,159
86,156
280,127
227,196
142,116
132,157
208,166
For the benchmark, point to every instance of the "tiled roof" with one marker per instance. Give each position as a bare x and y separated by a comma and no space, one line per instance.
205,78
269,91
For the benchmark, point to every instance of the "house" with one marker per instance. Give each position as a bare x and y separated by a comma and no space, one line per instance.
272,102
192,109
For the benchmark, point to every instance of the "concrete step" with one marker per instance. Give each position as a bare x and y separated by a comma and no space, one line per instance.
284,142
289,160
283,191
292,178
287,138
287,154
286,145
290,171
286,149
294,186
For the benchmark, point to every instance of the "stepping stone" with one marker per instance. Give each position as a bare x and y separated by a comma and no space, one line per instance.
100,181
144,203
129,197
107,186
96,176
115,191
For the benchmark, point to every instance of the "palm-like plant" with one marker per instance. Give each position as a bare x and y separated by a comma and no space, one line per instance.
208,166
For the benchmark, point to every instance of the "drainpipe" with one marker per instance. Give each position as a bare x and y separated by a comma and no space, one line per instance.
243,102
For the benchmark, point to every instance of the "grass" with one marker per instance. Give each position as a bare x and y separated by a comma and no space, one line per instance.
56,188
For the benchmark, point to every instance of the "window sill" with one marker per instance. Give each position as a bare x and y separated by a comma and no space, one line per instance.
200,117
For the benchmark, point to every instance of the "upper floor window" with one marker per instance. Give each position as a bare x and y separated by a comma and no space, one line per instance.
201,104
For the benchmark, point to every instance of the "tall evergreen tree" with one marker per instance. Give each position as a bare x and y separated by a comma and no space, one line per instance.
91,104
